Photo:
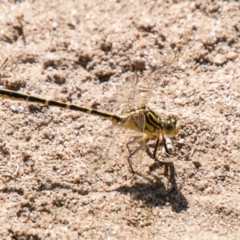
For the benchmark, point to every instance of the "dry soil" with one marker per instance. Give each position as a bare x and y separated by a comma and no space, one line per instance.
55,182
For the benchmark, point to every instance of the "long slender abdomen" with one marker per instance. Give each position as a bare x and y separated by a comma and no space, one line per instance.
12,95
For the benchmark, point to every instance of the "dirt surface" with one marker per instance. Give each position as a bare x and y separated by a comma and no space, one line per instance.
54,183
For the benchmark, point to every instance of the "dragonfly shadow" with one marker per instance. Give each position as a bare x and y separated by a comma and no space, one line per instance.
154,192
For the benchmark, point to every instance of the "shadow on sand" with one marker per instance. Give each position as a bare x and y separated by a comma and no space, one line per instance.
155,192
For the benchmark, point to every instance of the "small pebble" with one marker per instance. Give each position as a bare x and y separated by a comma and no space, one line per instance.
77,178
219,59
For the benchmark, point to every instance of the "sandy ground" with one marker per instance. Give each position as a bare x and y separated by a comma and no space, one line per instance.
54,183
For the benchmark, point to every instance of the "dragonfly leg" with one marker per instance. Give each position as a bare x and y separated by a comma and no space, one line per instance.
168,166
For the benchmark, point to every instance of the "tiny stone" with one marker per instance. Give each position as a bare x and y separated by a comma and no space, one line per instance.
232,56
233,129
219,59
179,101
201,185
108,178
77,178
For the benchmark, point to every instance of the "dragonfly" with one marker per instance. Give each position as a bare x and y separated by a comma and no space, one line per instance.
141,119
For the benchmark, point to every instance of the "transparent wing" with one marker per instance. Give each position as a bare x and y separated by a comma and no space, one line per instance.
125,149
164,70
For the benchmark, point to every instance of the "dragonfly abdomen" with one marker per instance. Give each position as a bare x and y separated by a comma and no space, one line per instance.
8,94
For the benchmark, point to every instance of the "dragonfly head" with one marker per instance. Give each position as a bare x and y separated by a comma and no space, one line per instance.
171,126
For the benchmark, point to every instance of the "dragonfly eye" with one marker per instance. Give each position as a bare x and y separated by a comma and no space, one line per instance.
171,126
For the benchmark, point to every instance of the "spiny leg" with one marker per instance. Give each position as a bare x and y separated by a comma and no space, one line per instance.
167,165
165,145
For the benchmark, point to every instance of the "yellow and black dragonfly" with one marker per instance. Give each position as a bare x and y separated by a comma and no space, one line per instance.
141,119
